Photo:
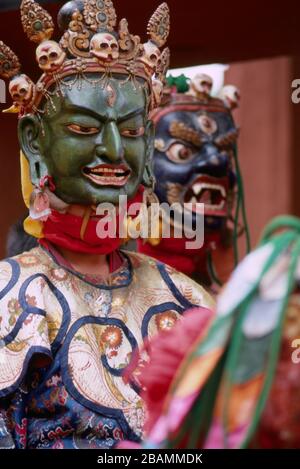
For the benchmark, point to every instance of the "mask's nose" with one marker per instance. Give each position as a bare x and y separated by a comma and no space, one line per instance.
110,144
212,162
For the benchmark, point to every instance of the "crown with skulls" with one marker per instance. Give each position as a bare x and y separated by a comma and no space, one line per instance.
201,86
91,42
199,90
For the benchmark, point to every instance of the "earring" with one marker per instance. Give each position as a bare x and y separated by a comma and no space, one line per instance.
148,222
39,205
155,238
39,200
150,216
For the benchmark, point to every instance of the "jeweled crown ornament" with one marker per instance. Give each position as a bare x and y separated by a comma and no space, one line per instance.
91,43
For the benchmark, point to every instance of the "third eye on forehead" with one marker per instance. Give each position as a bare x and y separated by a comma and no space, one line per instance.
97,102
103,115
222,120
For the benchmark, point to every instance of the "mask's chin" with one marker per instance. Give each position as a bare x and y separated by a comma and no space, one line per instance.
85,191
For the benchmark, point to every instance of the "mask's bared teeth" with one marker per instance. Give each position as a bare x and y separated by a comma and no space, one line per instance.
106,176
197,189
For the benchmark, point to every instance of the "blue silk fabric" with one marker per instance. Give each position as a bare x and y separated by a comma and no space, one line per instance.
66,343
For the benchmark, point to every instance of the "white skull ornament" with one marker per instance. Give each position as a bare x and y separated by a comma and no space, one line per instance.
21,89
105,47
50,56
201,85
151,56
157,92
231,96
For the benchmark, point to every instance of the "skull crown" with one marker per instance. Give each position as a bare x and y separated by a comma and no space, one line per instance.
201,85
231,96
21,89
91,42
105,47
50,56
151,57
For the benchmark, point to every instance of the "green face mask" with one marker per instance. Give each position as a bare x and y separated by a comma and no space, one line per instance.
95,142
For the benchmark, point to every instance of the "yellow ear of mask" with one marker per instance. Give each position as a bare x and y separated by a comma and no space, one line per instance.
32,227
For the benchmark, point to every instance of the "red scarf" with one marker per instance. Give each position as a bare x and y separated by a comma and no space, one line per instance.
64,230
173,252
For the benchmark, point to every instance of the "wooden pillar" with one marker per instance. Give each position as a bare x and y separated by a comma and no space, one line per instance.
295,135
267,145
11,202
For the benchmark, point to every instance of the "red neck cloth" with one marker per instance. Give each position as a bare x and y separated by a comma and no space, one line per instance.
64,230
173,252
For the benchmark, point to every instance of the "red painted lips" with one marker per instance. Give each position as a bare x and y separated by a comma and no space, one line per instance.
108,175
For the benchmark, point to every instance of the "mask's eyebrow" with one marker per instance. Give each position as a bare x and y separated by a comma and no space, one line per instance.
132,114
184,132
84,110
228,138
81,109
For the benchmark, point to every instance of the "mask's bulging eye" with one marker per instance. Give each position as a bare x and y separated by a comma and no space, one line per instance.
79,129
133,133
179,153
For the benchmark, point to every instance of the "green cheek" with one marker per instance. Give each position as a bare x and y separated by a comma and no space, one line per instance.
69,155
135,153
66,154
